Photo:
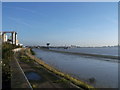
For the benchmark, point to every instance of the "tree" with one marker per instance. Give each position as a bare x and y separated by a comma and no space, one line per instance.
48,44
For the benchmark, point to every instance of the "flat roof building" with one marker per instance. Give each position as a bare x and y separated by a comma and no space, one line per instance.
12,40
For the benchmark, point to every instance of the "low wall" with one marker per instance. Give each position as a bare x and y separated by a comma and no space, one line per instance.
17,49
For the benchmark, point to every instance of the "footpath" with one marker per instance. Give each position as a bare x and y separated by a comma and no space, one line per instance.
18,78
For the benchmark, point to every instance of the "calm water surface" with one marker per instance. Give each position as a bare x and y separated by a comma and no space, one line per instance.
112,51
104,73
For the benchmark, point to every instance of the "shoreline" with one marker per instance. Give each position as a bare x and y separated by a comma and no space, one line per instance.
84,54
73,80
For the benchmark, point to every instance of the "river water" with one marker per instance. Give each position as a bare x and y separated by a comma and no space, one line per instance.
98,72
112,51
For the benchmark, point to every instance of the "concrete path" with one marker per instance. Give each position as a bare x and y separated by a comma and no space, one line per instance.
18,79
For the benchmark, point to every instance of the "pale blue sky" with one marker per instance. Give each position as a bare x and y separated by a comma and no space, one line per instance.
63,23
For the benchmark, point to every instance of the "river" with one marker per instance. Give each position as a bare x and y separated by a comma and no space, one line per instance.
98,72
111,51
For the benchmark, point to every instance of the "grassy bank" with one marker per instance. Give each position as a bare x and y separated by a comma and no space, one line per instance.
57,72
32,52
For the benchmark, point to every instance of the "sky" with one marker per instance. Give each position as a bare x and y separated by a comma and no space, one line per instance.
62,23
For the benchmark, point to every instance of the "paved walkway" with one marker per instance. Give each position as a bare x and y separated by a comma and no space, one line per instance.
18,79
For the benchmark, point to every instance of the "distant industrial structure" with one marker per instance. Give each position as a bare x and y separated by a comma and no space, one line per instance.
12,39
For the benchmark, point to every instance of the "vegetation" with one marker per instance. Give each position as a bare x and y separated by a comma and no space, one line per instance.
32,52
7,56
26,59
63,80
48,44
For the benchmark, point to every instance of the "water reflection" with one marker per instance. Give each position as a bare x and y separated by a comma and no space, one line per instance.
33,76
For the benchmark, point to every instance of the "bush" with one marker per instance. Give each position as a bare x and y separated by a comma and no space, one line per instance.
32,52
7,56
